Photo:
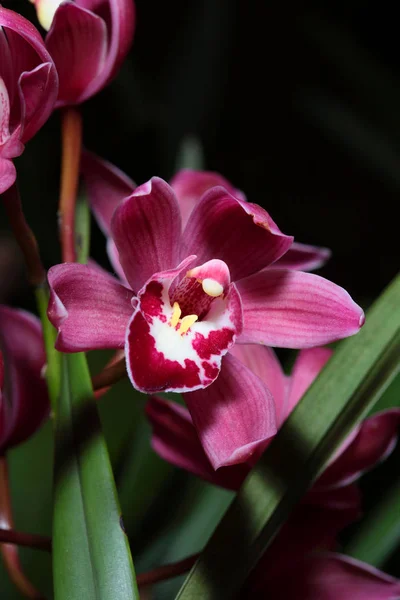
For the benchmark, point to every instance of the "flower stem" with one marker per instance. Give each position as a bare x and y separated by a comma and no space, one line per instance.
71,133
8,551
29,540
112,373
167,571
24,235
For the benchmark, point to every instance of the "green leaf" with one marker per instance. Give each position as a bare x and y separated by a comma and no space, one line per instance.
53,367
91,556
82,228
352,381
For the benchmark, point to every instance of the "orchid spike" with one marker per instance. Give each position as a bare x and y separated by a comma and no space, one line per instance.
24,403
188,295
28,89
88,40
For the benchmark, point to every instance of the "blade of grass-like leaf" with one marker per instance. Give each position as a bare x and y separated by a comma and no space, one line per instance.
359,371
378,535
82,228
91,556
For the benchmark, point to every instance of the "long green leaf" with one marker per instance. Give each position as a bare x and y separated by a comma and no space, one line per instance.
359,371
91,556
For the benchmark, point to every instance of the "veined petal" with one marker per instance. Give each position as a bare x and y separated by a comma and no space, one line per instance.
165,352
240,233
265,364
189,187
89,309
309,363
38,91
8,174
375,440
303,257
106,187
291,309
76,33
329,576
119,16
146,229
4,113
175,439
26,404
235,416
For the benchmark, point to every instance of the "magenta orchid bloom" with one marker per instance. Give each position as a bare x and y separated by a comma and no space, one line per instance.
28,89
24,403
176,440
88,40
190,293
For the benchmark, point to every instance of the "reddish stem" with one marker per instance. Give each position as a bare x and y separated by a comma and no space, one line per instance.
29,540
113,372
10,552
167,571
24,235
71,134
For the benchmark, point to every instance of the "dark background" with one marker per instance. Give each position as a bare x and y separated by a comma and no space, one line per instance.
298,107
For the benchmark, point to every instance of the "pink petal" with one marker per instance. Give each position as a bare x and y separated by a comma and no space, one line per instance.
76,33
265,364
8,174
7,74
233,417
374,441
19,31
4,113
119,16
303,257
189,187
175,439
309,363
106,187
346,498
309,528
146,228
160,357
329,576
25,402
89,309
38,91
241,234
292,309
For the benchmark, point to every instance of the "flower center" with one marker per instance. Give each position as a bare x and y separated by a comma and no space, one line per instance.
192,300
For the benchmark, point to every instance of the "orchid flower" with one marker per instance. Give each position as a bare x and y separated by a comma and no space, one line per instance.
24,402
88,40
191,293
176,440
28,89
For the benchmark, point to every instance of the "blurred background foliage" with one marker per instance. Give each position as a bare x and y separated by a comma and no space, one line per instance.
299,107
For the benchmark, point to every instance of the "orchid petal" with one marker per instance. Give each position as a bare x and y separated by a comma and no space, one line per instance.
38,92
265,364
250,240
235,416
189,187
175,439
309,363
329,576
303,257
106,187
162,357
346,498
8,174
89,309
146,229
292,309
26,404
76,33
375,440
19,30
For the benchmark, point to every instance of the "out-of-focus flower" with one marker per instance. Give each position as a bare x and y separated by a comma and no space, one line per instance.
175,438
88,40
193,294
24,402
28,89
